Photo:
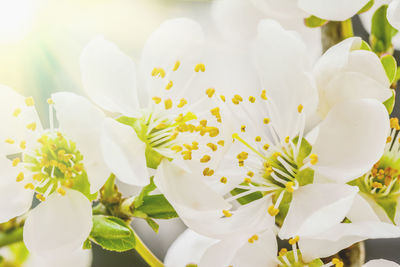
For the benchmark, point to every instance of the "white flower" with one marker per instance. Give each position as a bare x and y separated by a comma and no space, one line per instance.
268,163
164,110
380,263
393,14
63,167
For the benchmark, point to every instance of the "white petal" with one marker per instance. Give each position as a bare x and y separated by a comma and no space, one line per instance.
317,207
188,248
82,122
351,139
109,77
187,193
282,64
393,14
58,225
361,211
332,9
15,200
15,127
344,235
124,153
380,263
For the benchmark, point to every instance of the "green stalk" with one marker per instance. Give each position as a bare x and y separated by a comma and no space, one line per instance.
146,254
11,237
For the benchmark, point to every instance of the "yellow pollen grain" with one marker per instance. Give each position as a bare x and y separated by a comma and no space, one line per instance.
212,146
337,262
69,183
266,146
258,138
182,102
210,92
300,108
247,180
156,99
377,185
208,172
253,238
394,123
221,142
313,159
22,144
9,141
168,103
61,191
176,66
37,177
16,161
250,173
169,85
200,67
50,101
20,177
222,98
264,94
29,186
243,128
294,240
289,187
205,158
252,99
272,210
388,139
160,72
16,112
237,99
283,252
223,180
227,213
266,120
29,101
31,126
276,154
40,197
287,139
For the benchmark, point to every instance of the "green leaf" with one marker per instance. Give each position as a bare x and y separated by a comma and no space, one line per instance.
157,207
314,22
389,205
112,233
381,31
389,103
145,192
305,177
365,46
390,65
367,7
153,224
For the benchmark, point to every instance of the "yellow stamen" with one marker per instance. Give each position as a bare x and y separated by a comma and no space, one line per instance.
294,240
250,173
266,120
200,67
266,146
31,126
221,142
237,99
168,103
258,139
227,213
388,139
40,197
182,102
253,238
160,72
156,99
210,92
272,210
22,144
243,128
313,159
223,180
222,98
169,85
205,158
20,177
29,101
16,112
16,161
247,180
282,252
252,99
212,146
208,172
10,141
176,66
264,94
50,101
29,186
61,191
289,187
287,139
337,262
300,108
394,123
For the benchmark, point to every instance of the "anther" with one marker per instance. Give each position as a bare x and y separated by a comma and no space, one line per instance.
20,177
156,99
388,139
253,238
266,146
61,191
9,141
272,210
222,98
300,108
294,240
252,99
168,103
210,92
200,67
223,180
40,197
287,139
258,139
182,102
16,112
337,262
243,128
29,101
50,101
29,186
227,213
16,161
289,187
313,159
283,252
264,94
208,172
22,144
31,126
237,99
205,158
266,120
247,180
169,85
176,66
221,142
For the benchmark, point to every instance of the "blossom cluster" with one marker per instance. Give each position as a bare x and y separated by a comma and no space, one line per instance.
248,138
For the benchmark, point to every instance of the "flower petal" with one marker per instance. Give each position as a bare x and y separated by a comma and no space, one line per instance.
344,235
124,153
109,77
317,207
380,263
393,14
280,54
187,249
338,10
58,225
351,139
361,210
15,200
82,122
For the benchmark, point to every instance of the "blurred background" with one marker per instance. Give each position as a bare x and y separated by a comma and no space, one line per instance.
40,45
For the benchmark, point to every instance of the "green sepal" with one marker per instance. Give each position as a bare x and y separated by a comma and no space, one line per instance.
20,253
145,192
157,207
248,198
153,158
87,244
290,257
389,103
112,233
109,191
381,31
389,205
365,46
81,184
390,65
397,75
305,177
155,226
304,151
366,7
283,206
314,22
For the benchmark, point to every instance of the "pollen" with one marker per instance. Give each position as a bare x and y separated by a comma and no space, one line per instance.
222,98
300,108
266,146
205,158
20,177
22,144
223,180
40,197
9,141
337,262
176,66
200,67
287,139
258,139
247,180
313,159
29,101
377,185
208,172
266,120
168,103
16,161
289,187
243,128
227,213
394,123
169,85
156,99
50,101
237,99
272,210
212,146
221,142
61,191
252,99
158,72
16,112
210,92
264,94
29,186
283,252
31,126
388,139
294,240
182,102
253,238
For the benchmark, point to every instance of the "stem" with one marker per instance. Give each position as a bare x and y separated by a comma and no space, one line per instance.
11,237
146,254
334,32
